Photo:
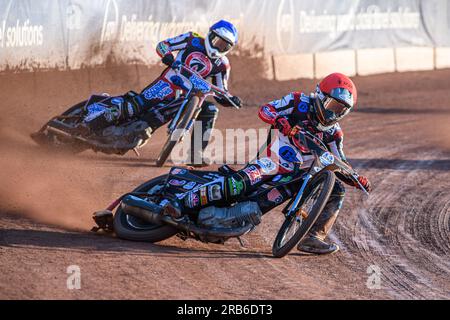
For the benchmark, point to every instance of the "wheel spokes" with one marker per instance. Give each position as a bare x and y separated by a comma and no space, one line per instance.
301,215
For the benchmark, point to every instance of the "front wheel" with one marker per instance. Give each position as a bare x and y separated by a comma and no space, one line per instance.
131,228
189,115
296,226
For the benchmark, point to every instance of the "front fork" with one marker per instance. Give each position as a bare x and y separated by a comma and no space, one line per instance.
294,204
174,123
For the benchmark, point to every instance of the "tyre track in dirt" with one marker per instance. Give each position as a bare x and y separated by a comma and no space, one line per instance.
410,267
403,227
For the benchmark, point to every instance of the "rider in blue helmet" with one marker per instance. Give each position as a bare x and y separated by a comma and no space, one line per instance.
207,56
222,37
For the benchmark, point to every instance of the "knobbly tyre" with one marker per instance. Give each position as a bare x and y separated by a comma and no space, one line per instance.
64,131
140,214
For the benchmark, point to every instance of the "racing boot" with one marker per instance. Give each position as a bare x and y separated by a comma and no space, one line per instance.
314,242
315,245
118,109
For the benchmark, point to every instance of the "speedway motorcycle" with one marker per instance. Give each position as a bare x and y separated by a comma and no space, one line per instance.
62,131
139,214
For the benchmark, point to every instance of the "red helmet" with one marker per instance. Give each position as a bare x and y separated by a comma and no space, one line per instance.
336,95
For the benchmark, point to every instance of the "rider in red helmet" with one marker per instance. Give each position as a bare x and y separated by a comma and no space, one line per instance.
318,113
336,95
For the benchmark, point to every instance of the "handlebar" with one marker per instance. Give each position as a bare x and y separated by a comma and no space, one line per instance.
215,89
318,147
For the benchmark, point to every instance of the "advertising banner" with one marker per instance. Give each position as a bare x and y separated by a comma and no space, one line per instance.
71,34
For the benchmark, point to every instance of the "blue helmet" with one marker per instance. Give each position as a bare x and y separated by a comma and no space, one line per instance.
222,37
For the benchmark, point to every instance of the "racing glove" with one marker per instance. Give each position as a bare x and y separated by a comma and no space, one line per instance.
282,124
168,59
365,183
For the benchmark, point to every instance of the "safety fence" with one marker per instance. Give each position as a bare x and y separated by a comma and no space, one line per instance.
297,38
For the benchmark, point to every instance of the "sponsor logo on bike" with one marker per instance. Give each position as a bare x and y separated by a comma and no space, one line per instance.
190,185
178,171
212,176
203,196
214,192
326,159
236,187
287,165
277,178
286,179
275,196
160,90
267,165
94,111
253,174
192,200
177,183
117,100
96,107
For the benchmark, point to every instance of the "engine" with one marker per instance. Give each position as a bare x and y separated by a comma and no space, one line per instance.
127,136
239,215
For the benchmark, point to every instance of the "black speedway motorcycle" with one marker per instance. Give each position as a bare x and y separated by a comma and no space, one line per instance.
139,214
120,138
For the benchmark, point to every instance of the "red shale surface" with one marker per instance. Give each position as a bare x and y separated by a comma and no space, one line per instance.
399,137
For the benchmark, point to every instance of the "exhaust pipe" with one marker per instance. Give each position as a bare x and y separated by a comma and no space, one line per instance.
141,209
152,213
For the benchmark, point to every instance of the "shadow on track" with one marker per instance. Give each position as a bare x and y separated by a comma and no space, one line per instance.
88,242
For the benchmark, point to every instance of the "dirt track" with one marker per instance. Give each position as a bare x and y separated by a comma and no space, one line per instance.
400,138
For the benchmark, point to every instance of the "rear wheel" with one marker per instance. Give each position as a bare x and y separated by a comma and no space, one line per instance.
296,226
49,139
131,228
171,142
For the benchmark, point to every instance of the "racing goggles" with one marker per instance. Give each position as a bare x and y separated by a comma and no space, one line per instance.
340,101
219,43
339,109
335,106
